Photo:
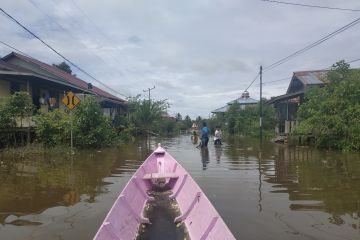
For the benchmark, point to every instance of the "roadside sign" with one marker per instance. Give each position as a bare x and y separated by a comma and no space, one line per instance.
71,100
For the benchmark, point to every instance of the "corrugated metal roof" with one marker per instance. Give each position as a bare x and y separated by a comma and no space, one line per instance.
241,101
312,77
284,97
244,101
221,110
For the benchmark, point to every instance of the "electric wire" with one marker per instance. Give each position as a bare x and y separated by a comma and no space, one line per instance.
312,6
15,49
288,78
104,36
58,53
50,18
312,45
256,77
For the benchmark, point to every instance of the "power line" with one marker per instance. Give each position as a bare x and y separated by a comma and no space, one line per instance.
312,45
59,54
312,6
27,55
278,80
13,48
355,60
105,37
99,58
257,75
288,78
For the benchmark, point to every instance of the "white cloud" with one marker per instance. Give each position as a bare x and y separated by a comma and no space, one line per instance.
199,54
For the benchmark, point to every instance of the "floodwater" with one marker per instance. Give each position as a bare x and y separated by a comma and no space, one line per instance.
276,192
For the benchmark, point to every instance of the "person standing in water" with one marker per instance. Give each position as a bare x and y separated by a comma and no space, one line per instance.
204,135
217,136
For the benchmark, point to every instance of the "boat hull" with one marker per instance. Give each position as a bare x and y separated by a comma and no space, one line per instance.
159,169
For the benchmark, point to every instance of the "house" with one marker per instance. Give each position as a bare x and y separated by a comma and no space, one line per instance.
47,84
288,104
244,101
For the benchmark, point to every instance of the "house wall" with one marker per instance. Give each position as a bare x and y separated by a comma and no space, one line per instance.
296,86
4,88
107,112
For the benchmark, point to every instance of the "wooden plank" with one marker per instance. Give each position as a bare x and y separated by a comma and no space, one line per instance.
149,176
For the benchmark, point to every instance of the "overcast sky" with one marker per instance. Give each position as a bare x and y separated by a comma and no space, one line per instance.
200,54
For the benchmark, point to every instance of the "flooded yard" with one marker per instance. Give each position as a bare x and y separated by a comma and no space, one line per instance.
273,192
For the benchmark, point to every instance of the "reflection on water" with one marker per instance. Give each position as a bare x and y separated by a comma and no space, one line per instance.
272,192
218,153
204,152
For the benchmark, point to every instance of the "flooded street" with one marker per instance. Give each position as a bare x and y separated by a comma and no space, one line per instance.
277,192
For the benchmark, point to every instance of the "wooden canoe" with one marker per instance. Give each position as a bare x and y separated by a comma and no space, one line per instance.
197,213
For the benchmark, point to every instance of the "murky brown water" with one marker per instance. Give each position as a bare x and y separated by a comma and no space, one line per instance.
278,193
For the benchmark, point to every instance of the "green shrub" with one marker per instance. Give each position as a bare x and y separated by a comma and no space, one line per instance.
331,114
53,128
91,127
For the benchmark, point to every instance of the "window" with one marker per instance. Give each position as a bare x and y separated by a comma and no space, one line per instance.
14,87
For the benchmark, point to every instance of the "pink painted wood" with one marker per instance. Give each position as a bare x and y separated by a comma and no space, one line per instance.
200,217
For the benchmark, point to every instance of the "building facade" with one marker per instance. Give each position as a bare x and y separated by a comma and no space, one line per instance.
47,85
288,104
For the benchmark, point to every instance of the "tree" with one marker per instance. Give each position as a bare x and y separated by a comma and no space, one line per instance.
144,113
64,67
178,117
20,106
91,127
246,121
331,114
232,115
187,122
16,107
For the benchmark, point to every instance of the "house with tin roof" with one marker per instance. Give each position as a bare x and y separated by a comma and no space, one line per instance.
47,84
244,101
288,104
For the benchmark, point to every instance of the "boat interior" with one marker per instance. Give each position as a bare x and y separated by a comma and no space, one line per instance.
161,171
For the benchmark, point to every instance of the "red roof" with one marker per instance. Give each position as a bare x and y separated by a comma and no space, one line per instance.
65,76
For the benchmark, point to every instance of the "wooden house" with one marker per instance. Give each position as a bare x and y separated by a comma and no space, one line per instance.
288,104
47,84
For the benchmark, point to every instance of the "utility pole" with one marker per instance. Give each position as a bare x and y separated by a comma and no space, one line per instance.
149,90
261,110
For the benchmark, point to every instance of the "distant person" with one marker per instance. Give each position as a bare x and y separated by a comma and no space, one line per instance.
204,135
194,137
217,136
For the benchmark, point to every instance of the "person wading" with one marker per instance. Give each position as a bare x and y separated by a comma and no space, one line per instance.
204,135
217,136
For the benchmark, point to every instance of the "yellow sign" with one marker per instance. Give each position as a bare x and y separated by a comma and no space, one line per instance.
71,100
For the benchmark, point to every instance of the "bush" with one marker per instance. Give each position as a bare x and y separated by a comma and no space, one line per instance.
91,127
331,114
246,121
15,107
53,128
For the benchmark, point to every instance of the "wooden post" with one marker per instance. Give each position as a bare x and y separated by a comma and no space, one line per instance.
71,133
29,122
